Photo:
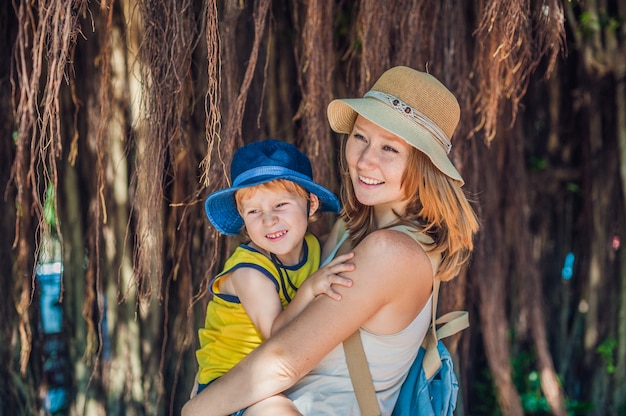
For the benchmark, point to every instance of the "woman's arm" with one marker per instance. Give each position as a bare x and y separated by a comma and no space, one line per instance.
391,283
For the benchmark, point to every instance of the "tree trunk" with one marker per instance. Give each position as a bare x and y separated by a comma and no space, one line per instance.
599,194
315,60
489,271
619,394
525,269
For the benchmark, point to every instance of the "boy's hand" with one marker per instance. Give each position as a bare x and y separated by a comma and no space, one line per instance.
321,282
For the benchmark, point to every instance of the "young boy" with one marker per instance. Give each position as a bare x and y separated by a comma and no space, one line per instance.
271,201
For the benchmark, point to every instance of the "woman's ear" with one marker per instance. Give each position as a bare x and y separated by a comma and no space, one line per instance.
314,204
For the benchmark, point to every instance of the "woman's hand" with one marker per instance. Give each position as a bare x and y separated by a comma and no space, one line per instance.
321,282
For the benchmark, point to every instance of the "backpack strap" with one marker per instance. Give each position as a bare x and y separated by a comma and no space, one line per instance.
356,360
360,375
451,323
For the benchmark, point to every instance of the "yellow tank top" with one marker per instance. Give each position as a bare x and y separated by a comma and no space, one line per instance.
229,334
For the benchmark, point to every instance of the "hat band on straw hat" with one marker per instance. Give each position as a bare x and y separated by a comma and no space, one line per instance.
414,115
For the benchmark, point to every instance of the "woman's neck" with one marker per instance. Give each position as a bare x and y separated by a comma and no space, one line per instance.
384,218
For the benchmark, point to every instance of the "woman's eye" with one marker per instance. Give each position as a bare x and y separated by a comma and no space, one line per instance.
389,149
358,136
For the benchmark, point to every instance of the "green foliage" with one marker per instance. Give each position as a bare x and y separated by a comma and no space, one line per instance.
528,383
48,206
606,350
533,400
590,24
527,380
537,163
573,187
486,390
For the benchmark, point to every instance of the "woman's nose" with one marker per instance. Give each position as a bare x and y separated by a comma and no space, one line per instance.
367,157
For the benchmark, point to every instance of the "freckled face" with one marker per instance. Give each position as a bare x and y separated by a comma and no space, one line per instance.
276,221
377,160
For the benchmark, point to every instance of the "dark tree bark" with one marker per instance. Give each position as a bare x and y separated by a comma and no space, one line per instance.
131,110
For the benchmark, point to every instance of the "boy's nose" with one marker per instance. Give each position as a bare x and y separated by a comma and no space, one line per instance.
269,218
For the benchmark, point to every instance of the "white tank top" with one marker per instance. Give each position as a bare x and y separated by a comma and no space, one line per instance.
327,389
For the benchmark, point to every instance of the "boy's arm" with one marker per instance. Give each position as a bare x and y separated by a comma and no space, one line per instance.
258,297
320,282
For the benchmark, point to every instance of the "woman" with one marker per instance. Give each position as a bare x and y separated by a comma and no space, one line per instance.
396,171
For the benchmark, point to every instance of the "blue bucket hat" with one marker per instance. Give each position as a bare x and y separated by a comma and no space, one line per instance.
257,163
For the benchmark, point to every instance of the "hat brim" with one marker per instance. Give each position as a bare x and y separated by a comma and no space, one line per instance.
343,112
221,207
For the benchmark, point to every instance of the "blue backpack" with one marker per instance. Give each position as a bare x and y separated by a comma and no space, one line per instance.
430,390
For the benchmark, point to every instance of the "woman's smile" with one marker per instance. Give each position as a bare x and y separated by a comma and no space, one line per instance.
369,181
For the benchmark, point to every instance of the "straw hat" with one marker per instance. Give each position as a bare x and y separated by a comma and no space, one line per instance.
257,163
411,104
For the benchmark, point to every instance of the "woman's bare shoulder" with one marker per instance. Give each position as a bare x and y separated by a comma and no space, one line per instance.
392,249
397,275
386,239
